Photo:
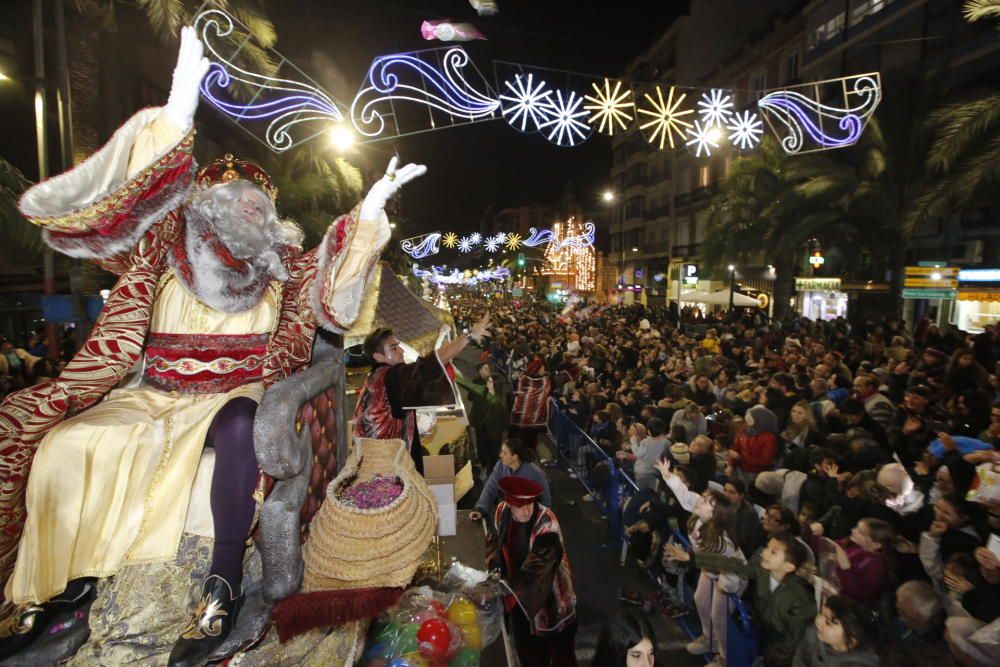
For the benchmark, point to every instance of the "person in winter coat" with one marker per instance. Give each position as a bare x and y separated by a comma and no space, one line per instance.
755,448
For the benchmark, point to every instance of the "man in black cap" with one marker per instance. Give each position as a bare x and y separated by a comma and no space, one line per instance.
526,547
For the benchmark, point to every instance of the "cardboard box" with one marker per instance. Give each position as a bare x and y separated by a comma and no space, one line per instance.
439,471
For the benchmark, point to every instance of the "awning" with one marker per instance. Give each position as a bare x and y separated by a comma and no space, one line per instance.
721,298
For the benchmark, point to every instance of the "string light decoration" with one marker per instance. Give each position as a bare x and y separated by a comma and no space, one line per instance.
409,77
513,241
527,106
492,244
441,275
419,247
746,131
704,138
609,108
450,240
667,117
572,260
465,245
475,238
285,103
715,107
566,127
809,125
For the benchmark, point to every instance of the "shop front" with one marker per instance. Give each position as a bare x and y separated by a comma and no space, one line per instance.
820,298
978,303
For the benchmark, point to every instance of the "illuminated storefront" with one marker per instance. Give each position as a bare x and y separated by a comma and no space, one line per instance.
820,298
978,299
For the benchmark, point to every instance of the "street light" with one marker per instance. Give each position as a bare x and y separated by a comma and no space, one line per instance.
341,137
609,197
732,287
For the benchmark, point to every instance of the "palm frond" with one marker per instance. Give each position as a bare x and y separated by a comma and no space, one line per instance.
166,17
959,126
258,25
974,10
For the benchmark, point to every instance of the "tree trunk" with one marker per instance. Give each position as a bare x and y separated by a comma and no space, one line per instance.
784,284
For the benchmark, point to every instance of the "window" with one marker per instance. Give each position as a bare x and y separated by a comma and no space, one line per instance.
684,184
635,207
790,67
704,176
758,81
826,23
862,9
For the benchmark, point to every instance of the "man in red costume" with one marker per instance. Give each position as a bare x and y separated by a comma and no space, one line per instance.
216,301
393,386
526,547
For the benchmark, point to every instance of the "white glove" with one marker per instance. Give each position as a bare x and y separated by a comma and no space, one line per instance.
190,70
387,186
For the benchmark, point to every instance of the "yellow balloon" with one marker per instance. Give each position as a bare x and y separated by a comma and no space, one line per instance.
416,660
472,636
462,612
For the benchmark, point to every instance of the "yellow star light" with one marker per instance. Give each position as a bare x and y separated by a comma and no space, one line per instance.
513,241
609,107
666,120
450,240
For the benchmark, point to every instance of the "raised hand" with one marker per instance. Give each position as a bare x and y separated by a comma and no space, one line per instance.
387,186
480,328
191,68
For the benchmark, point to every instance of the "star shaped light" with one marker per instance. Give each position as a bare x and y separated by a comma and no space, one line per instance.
527,106
745,131
475,238
450,240
492,243
566,127
704,138
501,237
667,119
715,107
513,241
609,107
465,245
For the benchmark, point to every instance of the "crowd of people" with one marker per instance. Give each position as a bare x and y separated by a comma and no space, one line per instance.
777,459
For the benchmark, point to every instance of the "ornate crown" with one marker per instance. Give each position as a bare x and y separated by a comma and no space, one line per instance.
228,168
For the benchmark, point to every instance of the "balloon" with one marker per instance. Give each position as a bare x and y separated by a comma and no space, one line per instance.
416,660
424,615
407,639
401,662
434,638
387,632
438,608
379,650
467,657
472,635
462,612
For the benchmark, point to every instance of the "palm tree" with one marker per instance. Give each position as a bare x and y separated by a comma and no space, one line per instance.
21,239
314,188
770,205
964,155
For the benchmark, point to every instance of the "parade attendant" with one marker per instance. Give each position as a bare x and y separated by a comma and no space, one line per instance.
393,388
516,460
215,302
526,547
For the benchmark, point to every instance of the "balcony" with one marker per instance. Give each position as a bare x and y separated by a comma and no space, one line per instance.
685,251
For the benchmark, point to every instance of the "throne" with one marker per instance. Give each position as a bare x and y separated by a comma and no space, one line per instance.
300,439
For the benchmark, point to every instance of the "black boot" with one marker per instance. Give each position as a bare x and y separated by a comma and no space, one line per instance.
19,630
213,620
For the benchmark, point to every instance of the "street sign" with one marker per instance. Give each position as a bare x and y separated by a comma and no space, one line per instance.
944,271
943,283
933,262
689,274
911,293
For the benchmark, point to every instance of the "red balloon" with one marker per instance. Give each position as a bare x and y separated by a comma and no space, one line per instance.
434,638
439,607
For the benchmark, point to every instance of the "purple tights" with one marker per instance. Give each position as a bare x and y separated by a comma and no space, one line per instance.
233,484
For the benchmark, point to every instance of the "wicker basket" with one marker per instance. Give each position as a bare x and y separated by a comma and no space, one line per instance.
349,547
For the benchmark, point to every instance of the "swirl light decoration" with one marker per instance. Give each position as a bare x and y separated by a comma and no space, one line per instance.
284,103
538,237
810,125
410,77
582,240
419,247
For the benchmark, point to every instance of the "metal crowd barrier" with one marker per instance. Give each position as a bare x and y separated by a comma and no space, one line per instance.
600,474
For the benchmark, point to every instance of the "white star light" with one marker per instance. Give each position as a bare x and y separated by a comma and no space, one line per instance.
501,237
704,138
492,243
715,107
745,131
475,238
528,105
465,245
567,128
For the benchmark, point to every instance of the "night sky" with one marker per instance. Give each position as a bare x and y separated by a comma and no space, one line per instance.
485,164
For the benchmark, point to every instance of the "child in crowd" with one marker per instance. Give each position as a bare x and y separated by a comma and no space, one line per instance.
843,635
708,529
862,561
783,602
